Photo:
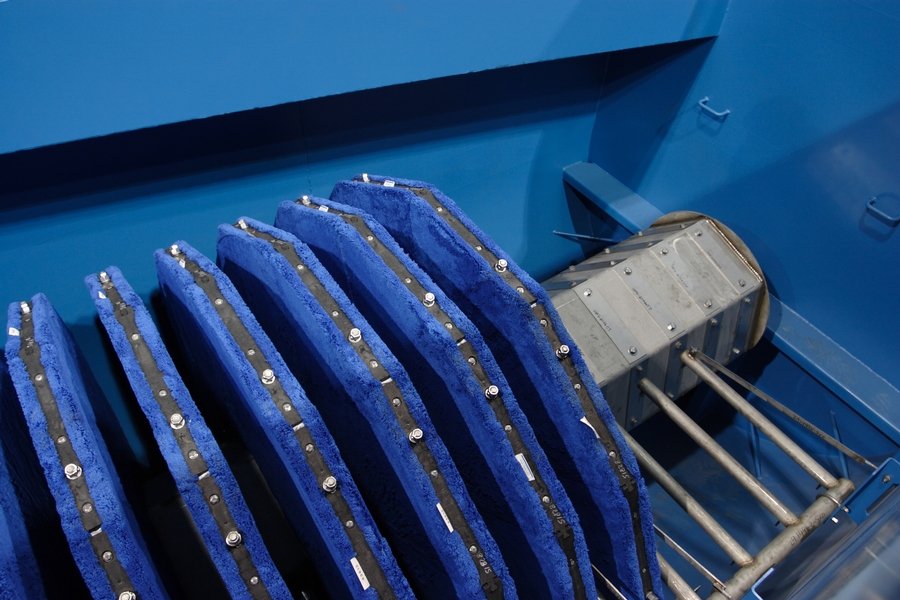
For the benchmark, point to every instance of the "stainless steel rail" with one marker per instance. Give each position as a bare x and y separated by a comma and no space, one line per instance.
797,528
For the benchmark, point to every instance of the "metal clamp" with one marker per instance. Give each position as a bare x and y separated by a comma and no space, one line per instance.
718,115
872,209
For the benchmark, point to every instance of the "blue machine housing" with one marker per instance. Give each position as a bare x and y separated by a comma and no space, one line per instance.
558,129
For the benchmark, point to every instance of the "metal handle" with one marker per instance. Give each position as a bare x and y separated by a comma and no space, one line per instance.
892,220
718,115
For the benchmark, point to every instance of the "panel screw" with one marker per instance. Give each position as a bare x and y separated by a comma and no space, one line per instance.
355,336
415,435
501,265
329,484
708,304
562,351
214,499
742,283
428,300
233,538
699,233
587,292
628,270
714,322
176,421
87,507
268,377
632,350
107,556
491,392
72,471
671,326
664,251
678,345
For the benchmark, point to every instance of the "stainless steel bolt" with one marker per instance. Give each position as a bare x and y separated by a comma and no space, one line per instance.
355,336
428,300
628,270
309,447
176,421
218,301
214,499
254,580
473,549
348,524
135,337
415,435
107,556
87,507
268,377
233,538
562,351
491,392
632,350
396,401
286,407
671,326
193,455
72,471
501,265
329,484
127,595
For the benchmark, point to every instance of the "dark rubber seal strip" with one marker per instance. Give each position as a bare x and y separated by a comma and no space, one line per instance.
369,564
195,462
626,479
490,582
30,353
561,528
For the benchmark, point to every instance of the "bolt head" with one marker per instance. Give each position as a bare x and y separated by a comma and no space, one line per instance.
632,350
491,391
501,265
72,471
233,538
176,421
428,299
107,556
214,499
355,336
416,435
628,270
268,377
329,484
562,351
127,595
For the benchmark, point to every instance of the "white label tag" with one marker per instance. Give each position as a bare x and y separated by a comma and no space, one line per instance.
101,295
523,462
588,423
389,183
445,517
323,208
13,331
360,574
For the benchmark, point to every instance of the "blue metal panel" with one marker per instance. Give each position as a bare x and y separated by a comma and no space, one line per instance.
78,70
814,93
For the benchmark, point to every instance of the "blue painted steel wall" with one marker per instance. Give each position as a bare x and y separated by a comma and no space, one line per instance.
77,70
814,132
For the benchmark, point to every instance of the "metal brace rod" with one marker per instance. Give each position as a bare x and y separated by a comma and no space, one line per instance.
787,540
685,500
728,462
709,575
778,437
796,418
678,585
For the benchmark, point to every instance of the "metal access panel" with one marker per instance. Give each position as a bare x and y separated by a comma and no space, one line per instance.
687,282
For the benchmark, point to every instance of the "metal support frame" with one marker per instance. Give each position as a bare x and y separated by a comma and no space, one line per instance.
797,528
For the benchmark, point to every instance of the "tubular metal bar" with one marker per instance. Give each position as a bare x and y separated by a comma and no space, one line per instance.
728,462
678,585
709,575
778,437
694,509
787,540
609,585
796,418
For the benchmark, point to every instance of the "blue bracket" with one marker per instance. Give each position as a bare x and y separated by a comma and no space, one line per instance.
860,505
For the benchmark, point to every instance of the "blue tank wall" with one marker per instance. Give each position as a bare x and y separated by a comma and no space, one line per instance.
814,132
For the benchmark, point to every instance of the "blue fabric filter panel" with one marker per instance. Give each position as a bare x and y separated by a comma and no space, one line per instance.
473,407
283,430
359,386
201,473
103,536
19,574
540,360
